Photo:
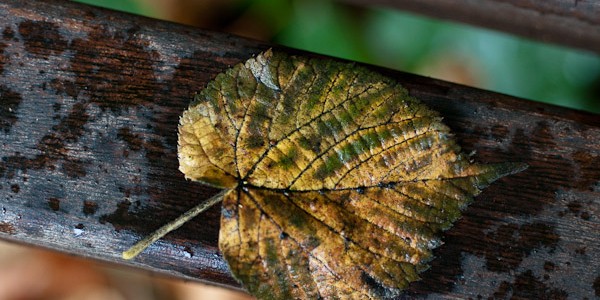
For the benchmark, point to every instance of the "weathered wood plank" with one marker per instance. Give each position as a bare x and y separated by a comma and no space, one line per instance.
89,104
572,23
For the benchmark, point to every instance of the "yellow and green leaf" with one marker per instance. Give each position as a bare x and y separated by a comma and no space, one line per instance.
339,184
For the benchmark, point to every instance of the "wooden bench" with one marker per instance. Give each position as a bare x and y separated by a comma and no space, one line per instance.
89,105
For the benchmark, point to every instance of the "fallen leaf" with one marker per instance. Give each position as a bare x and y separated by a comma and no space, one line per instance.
338,183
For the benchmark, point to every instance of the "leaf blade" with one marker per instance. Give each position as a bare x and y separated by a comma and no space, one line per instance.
340,182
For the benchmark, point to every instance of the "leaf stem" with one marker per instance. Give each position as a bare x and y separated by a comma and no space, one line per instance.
190,214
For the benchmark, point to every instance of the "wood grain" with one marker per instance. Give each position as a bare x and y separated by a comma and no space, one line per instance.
572,23
89,105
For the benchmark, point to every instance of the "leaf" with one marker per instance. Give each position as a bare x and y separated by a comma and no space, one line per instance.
339,182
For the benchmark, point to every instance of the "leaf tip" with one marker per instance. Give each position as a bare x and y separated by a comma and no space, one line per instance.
493,172
510,168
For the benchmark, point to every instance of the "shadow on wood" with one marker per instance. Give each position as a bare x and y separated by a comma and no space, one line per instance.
89,106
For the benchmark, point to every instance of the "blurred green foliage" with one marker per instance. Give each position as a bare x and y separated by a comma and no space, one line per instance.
407,42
